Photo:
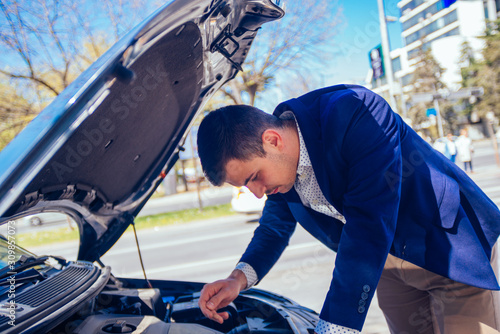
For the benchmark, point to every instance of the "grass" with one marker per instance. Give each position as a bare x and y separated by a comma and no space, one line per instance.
33,239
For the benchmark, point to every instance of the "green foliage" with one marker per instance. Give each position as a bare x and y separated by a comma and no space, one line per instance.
427,79
486,73
15,111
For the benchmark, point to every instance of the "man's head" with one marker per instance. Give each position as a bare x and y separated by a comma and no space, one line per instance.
463,132
245,146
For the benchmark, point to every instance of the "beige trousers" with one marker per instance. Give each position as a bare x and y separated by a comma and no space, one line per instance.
414,300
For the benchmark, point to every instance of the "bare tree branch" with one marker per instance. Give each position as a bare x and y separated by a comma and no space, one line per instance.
46,44
37,80
288,45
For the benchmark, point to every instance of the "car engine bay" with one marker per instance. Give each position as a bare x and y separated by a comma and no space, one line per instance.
82,298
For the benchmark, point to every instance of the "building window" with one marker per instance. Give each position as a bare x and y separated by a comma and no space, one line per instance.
396,64
432,27
407,79
438,6
414,53
411,6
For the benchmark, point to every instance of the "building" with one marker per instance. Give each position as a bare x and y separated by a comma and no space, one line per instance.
443,26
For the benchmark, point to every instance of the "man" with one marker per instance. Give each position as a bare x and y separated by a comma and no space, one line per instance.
401,217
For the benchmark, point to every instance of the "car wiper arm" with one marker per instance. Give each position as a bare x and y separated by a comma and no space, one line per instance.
21,264
26,262
27,275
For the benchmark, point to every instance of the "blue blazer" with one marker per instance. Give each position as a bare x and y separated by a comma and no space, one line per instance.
398,196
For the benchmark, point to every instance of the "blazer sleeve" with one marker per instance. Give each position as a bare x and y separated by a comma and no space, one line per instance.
271,237
371,151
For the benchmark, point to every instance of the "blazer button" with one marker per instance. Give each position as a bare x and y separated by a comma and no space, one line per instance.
366,288
362,302
361,309
364,296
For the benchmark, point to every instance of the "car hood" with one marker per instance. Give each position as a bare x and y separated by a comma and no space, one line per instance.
101,148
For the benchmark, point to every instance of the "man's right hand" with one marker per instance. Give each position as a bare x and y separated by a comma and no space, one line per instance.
219,294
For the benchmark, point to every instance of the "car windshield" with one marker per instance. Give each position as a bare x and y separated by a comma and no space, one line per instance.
10,252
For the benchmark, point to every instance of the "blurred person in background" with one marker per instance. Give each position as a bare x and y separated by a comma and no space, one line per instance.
450,148
465,149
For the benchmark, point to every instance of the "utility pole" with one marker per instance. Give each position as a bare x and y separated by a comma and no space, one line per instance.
387,53
438,117
492,10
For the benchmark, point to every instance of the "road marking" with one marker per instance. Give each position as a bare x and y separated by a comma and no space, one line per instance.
232,258
170,243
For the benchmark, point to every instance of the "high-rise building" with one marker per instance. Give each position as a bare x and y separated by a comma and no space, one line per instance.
443,26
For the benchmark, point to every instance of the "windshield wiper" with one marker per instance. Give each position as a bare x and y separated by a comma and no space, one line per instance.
26,262
27,275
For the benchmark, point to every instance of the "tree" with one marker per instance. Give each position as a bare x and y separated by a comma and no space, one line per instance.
15,113
288,47
426,79
47,44
486,73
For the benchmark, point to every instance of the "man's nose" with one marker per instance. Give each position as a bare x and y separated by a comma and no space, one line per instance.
257,189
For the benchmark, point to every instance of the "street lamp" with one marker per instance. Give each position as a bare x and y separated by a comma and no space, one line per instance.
387,52
492,10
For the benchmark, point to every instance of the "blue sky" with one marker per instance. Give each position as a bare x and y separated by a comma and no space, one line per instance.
360,34
349,62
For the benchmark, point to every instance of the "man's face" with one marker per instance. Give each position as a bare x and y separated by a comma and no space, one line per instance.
276,172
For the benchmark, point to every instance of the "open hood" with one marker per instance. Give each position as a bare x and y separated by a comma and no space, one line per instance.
101,148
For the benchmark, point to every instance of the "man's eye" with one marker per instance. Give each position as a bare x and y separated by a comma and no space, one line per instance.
255,177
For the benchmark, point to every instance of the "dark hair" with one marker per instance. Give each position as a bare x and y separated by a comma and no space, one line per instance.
232,132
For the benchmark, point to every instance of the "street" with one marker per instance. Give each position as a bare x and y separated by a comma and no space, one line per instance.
205,251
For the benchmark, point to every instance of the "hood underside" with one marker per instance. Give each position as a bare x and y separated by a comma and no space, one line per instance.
102,147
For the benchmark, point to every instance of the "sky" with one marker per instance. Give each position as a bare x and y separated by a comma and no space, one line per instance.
349,62
360,34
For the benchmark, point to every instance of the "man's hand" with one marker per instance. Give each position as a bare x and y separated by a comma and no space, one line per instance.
219,294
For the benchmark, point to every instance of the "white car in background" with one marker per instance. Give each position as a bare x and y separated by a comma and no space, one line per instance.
46,218
244,201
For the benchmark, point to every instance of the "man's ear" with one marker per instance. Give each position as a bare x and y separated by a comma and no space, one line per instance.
272,139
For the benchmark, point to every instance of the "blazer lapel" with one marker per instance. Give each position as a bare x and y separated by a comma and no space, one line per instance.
311,132
324,228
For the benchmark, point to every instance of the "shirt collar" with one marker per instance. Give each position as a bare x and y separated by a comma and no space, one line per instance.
304,161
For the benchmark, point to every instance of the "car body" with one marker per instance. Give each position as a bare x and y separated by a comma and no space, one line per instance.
45,218
98,152
244,201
